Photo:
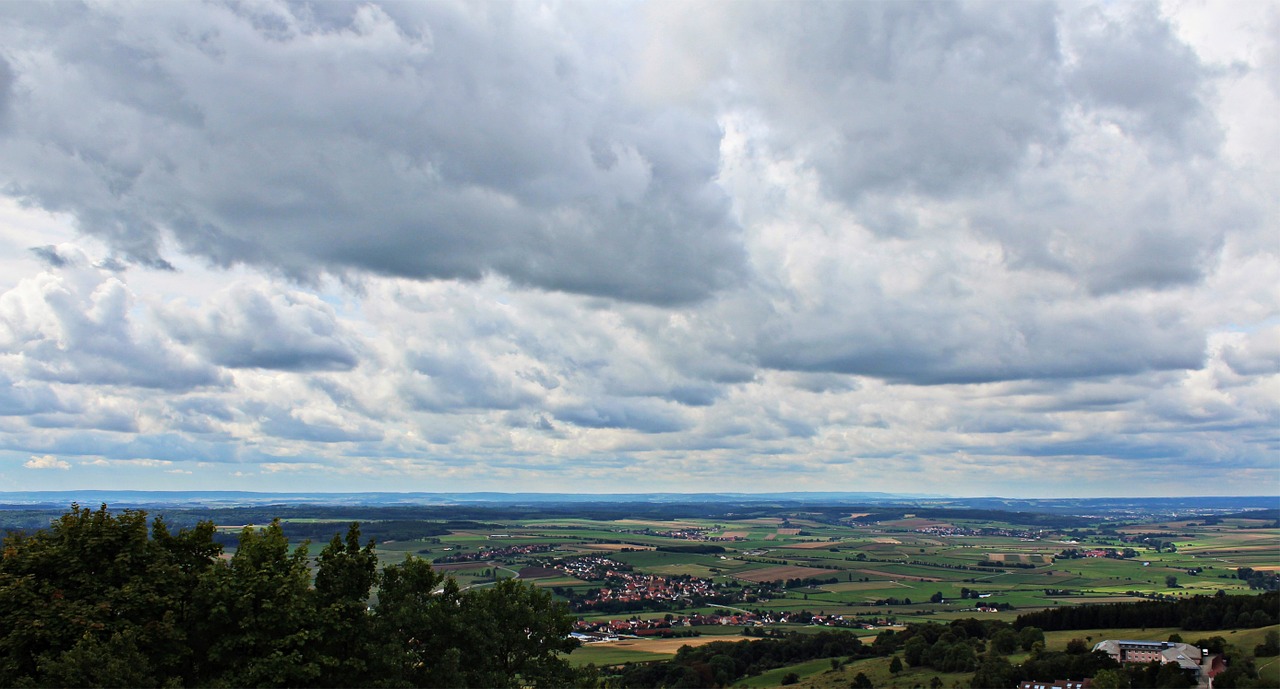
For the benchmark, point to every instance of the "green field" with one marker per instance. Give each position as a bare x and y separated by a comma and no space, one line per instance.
892,572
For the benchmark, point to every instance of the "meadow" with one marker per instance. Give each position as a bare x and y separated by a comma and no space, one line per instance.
873,574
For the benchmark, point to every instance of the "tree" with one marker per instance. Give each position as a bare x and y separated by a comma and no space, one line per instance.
959,658
861,681
1028,636
258,615
1172,676
415,617
1110,679
914,650
1004,641
96,600
995,671
895,665
1270,645
1171,581
348,651
516,633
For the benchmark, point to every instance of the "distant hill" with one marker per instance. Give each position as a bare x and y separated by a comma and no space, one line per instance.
1259,507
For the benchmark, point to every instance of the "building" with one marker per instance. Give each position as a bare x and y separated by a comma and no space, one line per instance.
1196,662
1057,684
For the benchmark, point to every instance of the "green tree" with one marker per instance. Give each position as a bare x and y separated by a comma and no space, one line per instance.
1028,636
914,650
417,621
1270,645
959,658
1172,676
895,665
1110,679
518,633
861,681
995,671
259,615
97,600
347,650
1004,641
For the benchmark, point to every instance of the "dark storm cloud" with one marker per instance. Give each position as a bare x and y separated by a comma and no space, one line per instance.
926,96
449,141
925,344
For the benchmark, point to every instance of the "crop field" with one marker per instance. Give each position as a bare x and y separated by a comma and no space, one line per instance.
904,568
899,559
785,572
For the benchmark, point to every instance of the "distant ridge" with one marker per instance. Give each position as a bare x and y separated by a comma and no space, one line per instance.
214,497
1112,506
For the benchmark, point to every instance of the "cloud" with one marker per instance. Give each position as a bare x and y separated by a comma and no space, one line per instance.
49,254
431,141
1128,62
257,326
27,397
6,87
999,249
1254,353
46,462
74,325
646,416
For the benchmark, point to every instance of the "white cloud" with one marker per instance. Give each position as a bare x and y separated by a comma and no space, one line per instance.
47,462
740,245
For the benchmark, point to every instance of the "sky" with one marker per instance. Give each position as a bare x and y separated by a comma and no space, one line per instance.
1007,248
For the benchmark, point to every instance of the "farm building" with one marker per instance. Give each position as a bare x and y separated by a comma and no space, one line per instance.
1196,662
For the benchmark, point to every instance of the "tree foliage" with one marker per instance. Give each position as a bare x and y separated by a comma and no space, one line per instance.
100,599
1219,611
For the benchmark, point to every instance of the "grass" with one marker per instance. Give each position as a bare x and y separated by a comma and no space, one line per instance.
602,654
773,678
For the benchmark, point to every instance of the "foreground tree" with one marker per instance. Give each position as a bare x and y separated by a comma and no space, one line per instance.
97,601
93,600
522,632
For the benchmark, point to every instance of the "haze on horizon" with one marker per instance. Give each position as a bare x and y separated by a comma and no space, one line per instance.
969,249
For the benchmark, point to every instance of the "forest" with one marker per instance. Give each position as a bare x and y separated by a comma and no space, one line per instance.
103,599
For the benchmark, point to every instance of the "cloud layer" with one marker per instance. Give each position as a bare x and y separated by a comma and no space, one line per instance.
1020,249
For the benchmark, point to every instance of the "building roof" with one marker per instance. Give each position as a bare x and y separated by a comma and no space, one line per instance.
1185,655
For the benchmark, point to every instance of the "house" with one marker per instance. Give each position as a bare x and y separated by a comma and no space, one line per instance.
1196,662
1057,684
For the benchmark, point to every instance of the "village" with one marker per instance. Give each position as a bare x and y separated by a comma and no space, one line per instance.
589,631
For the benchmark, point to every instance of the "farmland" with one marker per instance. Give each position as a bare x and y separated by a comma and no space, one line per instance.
864,566
801,572
848,564
642,588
